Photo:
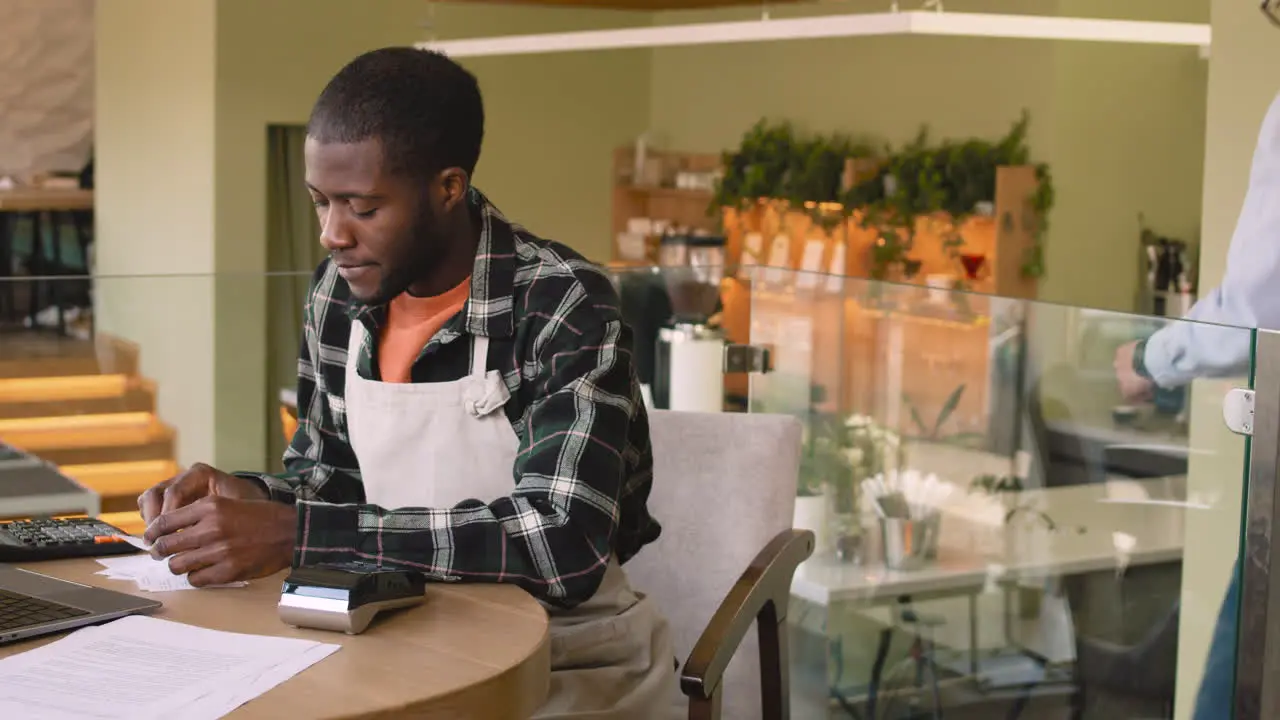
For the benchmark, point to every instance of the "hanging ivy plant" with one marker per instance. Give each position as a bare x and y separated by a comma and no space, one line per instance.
1041,202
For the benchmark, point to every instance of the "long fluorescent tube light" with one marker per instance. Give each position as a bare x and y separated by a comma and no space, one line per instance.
834,26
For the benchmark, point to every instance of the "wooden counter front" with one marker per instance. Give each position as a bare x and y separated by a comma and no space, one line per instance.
469,651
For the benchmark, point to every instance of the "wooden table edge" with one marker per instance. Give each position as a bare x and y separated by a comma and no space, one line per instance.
512,692
517,692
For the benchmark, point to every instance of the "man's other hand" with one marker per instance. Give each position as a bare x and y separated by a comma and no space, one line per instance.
199,482
1133,387
218,539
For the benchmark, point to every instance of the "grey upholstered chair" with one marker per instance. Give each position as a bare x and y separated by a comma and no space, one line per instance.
726,556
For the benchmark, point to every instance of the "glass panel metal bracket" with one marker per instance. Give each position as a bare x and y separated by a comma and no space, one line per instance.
1256,414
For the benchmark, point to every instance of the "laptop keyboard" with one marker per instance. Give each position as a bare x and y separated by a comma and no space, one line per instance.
21,611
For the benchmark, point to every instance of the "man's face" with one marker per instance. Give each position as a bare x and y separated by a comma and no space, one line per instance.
379,227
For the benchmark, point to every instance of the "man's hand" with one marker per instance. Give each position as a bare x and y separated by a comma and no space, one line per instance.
199,482
1133,387
224,539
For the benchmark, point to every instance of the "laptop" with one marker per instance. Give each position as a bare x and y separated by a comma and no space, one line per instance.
32,604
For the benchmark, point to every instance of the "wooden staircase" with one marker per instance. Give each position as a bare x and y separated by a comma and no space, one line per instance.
82,406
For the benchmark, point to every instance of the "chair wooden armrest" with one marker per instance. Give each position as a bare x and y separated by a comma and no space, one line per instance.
761,594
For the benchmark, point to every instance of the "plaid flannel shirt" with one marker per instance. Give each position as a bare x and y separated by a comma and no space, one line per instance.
558,338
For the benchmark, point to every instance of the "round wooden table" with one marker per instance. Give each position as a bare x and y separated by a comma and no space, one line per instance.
469,651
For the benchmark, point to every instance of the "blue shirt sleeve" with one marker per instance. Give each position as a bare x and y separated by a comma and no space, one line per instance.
1215,345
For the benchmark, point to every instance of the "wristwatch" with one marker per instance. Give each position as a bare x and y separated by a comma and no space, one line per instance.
1139,360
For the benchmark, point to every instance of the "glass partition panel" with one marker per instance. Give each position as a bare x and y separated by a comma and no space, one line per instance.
1001,532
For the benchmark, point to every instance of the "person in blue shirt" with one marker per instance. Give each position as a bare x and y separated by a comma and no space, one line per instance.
1215,346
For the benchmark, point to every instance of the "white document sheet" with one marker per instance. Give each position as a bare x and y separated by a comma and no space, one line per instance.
142,667
149,574
137,542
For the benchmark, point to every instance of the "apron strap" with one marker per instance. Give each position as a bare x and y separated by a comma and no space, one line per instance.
355,342
479,355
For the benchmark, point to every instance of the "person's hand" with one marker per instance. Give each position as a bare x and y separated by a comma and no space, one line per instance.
218,539
198,482
1133,387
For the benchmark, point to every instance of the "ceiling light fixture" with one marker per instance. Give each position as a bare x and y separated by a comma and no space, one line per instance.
1036,27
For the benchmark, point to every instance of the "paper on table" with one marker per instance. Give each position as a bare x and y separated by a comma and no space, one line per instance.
137,542
149,574
224,700
126,567
142,667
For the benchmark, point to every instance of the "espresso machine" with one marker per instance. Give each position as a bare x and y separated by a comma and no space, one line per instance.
692,353
689,357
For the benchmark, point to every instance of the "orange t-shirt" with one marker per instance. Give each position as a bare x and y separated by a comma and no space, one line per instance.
411,322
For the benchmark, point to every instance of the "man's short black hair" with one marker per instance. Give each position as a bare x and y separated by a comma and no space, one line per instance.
424,108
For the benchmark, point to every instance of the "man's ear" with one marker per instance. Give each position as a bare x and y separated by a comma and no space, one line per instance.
453,188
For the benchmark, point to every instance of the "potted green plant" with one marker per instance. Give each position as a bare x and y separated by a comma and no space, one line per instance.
868,449
935,431
818,465
923,178
1018,519
839,454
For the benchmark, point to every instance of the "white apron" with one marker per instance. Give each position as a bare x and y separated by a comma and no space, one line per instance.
437,444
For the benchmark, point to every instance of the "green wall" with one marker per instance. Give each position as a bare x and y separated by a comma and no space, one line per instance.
552,123
1122,126
185,92
182,177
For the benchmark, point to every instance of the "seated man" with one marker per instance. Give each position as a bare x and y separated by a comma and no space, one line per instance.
467,401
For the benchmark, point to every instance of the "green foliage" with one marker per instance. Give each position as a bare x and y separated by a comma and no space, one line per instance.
920,178
933,431
823,461
840,452
992,484
1010,486
759,166
774,161
1042,202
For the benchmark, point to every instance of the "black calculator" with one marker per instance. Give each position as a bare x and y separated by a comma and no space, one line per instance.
59,538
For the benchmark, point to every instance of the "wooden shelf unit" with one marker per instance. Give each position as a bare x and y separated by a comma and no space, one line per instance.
869,359
654,195
1003,239
876,346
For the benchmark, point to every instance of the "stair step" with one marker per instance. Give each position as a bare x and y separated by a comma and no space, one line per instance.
75,395
123,479
39,355
37,431
91,439
33,389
